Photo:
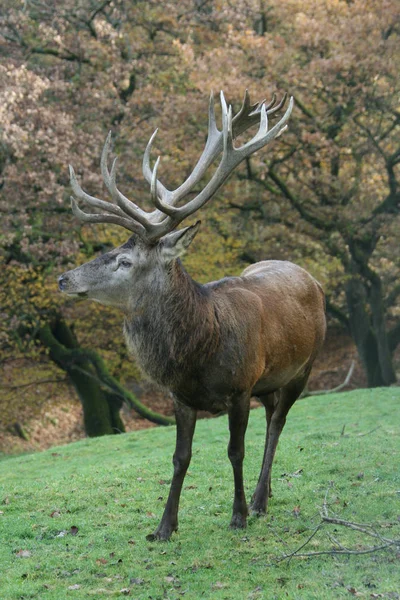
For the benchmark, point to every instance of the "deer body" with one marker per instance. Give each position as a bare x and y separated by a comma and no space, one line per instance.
206,342
214,345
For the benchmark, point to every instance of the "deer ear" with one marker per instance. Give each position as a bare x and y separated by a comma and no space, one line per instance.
176,243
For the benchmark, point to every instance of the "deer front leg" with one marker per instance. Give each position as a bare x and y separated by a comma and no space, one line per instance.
185,425
238,419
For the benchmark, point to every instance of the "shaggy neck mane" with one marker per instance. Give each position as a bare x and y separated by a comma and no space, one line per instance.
173,329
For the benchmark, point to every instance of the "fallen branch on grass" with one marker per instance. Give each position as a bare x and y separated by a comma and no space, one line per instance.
335,551
367,529
342,434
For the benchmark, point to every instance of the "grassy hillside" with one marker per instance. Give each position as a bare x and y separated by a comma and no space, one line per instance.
73,519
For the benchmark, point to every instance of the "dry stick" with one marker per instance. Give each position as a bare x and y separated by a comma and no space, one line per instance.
368,432
365,528
290,556
276,534
342,434
324,509
335,541
357,527
335,389
333,552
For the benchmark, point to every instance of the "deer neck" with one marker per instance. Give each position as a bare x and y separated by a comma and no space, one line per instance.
171,326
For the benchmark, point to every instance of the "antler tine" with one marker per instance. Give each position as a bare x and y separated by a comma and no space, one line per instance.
213,148
231,157
104,157
107,218
263,121
226,124
272,102
240,119
278,107
91,200
248,114
164,208
128,207
166,216
264,137
126,214
148,173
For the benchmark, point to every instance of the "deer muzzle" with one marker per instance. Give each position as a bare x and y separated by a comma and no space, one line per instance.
66,284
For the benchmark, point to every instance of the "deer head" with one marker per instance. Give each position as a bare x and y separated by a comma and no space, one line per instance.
112,277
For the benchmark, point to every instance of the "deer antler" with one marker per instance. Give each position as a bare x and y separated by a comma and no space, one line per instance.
151,226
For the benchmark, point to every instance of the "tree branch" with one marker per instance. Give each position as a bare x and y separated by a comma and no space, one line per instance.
66,55
341,551
371,137
71,358
94,14
71,56
389,205
299,206
110,384
364,528
369,530
261,182
338,314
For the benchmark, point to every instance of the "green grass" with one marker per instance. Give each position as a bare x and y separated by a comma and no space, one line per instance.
113,490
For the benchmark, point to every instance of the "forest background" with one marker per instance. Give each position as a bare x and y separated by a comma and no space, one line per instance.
325,195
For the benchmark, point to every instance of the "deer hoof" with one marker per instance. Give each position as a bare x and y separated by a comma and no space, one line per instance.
161,535
238,522
257,511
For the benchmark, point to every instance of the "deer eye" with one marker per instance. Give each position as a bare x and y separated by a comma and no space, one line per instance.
125,264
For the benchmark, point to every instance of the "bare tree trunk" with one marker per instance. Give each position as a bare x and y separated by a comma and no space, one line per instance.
101,395
379,325
370,337
63,345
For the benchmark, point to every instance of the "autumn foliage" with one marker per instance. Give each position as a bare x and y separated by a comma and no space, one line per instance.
325,195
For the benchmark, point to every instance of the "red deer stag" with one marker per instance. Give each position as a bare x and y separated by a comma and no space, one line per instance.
214,345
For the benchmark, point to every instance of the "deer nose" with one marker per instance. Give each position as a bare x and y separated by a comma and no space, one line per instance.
62,282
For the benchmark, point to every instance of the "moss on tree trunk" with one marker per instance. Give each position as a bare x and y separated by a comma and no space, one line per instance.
101,395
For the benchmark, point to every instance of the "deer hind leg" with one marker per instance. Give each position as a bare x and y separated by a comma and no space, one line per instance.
238,419
269,401
277,410
185,426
